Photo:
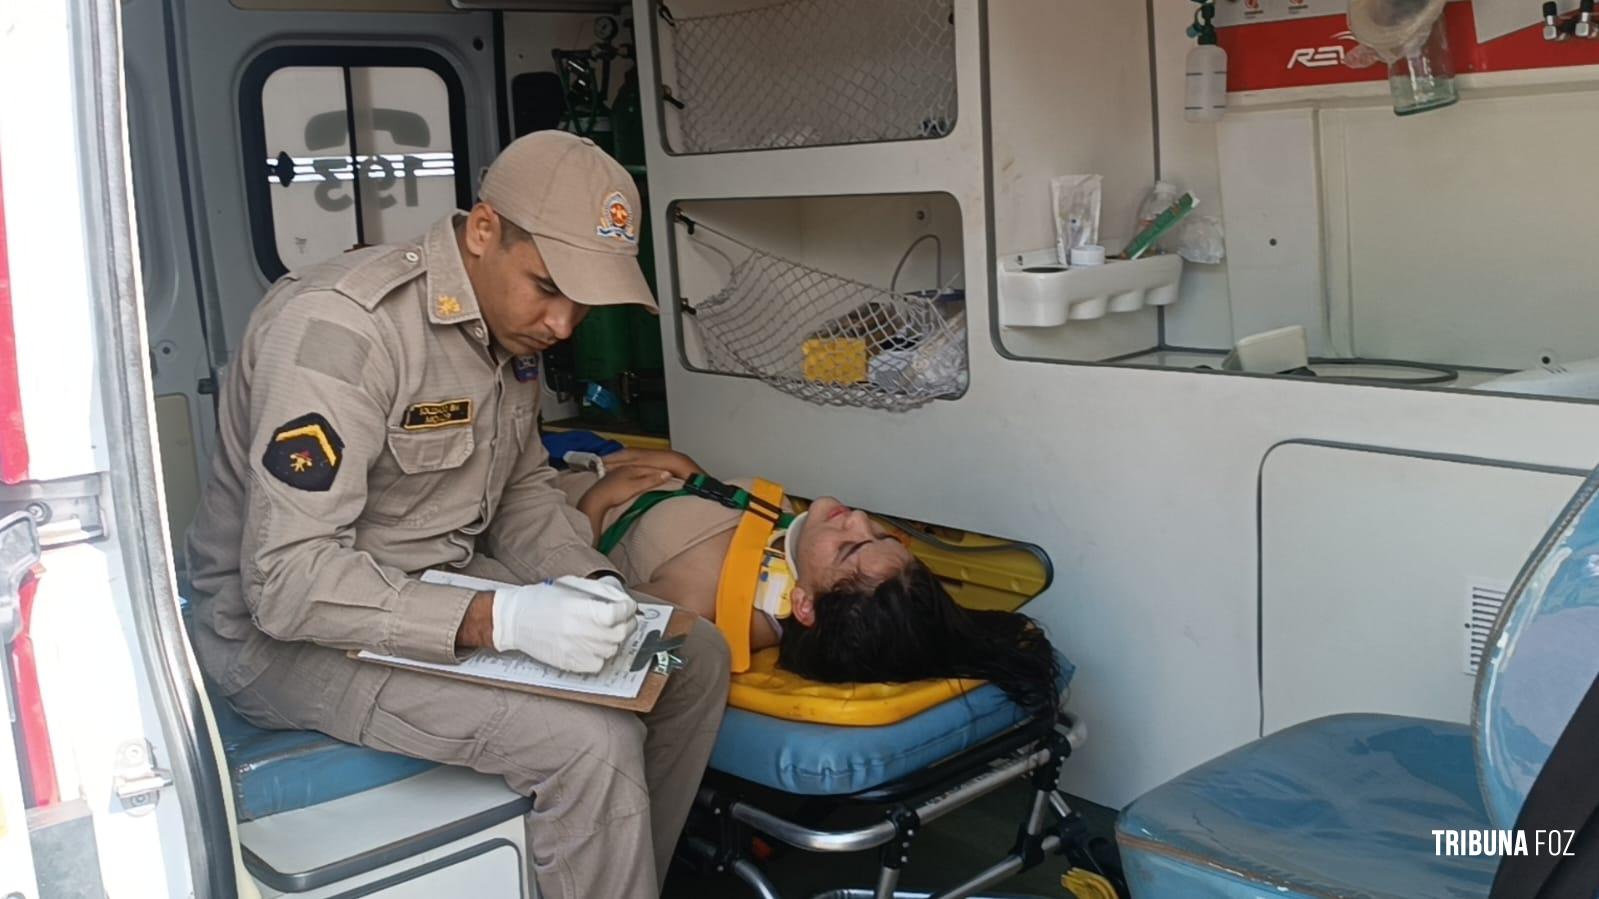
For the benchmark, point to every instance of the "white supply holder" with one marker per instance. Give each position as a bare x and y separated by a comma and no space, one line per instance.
1036,291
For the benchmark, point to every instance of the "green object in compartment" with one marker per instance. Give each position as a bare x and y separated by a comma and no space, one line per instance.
644,339
1163,223
627,123
601,344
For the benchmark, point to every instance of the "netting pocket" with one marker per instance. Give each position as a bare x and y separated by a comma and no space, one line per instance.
830,340
802,73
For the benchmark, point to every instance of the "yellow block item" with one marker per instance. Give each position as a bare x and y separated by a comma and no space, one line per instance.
741,571
769,690
835,360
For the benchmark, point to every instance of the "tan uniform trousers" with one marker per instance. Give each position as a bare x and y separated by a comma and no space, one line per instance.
611,789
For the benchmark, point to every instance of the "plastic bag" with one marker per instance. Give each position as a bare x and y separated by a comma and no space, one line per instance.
936,365
1199,239
1076,200
1393,29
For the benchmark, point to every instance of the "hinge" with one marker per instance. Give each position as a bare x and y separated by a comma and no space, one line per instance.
19,553
66,510
135,778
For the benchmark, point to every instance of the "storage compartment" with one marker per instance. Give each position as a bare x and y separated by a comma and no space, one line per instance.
445,832
1035,291
852,301
805,73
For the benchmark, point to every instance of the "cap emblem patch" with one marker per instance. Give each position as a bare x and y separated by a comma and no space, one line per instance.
616,219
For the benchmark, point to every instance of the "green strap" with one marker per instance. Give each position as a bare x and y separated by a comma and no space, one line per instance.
614,534
700,485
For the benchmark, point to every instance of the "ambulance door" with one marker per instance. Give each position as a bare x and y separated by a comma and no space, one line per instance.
271,134
106,744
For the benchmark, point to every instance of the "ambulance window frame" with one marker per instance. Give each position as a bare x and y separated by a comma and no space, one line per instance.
252,125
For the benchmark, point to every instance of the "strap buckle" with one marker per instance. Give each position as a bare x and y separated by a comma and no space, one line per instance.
661,651
732,497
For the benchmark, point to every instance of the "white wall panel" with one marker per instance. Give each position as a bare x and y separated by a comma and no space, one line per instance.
1365,562
1274,249
1465,238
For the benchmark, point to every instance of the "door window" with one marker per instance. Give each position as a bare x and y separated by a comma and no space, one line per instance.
349,152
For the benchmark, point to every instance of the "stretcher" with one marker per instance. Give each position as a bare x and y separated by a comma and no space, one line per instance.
841,769
934,747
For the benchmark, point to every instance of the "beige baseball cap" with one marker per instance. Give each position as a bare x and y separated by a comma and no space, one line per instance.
582,209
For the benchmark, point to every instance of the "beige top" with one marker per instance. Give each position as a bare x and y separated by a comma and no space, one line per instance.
367,431
671,528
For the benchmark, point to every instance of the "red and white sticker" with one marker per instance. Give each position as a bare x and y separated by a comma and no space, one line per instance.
1299,43
1242,12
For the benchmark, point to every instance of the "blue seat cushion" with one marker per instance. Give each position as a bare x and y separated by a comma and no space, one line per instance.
1342,806
282,770
832,760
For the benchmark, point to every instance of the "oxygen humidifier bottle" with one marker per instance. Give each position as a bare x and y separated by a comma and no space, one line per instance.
1207,82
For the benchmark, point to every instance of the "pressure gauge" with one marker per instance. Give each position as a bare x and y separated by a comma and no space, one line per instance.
605,28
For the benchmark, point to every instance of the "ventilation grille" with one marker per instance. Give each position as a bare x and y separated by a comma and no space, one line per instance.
1484,600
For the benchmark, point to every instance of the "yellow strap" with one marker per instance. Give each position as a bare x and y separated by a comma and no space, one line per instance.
1087,885
741,570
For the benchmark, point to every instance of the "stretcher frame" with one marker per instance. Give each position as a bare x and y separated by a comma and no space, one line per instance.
719,834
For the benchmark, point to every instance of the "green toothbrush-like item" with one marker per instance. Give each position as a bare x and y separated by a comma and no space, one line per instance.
1164,222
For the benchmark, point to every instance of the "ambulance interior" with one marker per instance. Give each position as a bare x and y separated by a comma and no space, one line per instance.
1277,510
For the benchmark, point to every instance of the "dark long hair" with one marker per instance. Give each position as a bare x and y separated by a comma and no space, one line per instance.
909,628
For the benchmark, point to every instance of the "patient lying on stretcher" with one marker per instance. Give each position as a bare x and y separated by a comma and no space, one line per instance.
851,603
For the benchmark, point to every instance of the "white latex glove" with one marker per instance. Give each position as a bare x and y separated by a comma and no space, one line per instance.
572,623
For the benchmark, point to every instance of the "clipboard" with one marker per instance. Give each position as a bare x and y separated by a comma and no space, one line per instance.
656,644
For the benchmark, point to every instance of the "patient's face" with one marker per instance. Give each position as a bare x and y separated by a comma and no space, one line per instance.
839,543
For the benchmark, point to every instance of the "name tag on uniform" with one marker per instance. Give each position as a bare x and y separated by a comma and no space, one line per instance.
422,416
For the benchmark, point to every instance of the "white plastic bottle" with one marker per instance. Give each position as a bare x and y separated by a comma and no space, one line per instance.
1207,82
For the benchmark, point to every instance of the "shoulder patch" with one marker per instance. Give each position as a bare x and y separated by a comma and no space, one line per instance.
376,276
304,453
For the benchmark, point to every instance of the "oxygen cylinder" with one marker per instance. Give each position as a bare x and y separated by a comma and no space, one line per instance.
1207,82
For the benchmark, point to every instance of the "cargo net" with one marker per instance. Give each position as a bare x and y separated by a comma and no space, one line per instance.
804,73
829,340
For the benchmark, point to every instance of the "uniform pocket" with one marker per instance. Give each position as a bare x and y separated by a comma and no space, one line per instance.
431,717
408,490
419,452
391,733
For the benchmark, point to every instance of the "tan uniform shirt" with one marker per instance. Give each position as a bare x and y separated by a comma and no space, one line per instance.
367,432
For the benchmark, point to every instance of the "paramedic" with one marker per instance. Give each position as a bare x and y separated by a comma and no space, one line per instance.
380,419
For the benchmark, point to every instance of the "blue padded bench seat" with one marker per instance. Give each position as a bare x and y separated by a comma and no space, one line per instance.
1343,806
282,770
831,760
